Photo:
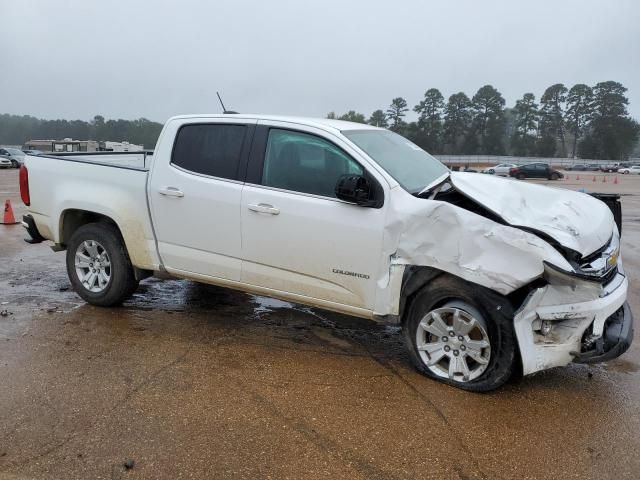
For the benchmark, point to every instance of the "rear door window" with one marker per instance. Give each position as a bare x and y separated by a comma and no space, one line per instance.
210,149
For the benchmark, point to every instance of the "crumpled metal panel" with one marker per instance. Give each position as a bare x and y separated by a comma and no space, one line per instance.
438,234
575,220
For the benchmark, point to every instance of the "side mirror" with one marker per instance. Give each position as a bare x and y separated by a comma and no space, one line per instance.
355,189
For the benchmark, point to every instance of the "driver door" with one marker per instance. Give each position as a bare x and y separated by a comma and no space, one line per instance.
297,237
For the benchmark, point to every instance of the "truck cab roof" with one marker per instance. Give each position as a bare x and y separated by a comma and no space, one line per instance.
322,123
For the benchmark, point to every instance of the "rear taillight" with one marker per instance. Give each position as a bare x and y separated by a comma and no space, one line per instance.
24,186
513,170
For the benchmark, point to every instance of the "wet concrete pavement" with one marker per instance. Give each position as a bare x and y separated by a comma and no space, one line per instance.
193,381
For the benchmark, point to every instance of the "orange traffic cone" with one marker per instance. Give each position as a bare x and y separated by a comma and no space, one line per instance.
615,180
604,180
594,178
8,218
577,177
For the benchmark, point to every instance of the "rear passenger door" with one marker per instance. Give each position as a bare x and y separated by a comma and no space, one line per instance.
297,237
195,193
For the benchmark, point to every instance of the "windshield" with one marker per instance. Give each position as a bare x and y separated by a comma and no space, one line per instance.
15,151
408,164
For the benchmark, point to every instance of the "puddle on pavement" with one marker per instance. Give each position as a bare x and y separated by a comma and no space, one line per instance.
268,305
622,366
302,324
37,283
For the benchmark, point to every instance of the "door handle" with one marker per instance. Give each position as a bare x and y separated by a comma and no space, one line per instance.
171,192
264,208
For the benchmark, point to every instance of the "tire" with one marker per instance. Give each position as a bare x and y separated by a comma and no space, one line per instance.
521,176
491,310
554,176
121,278
626,172
15,164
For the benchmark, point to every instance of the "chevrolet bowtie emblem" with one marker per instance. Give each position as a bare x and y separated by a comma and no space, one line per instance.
613,258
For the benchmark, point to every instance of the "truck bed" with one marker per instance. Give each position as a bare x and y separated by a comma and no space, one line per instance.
111,184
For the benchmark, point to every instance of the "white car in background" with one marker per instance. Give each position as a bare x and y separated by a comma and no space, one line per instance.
5,162
632,169
501,169
16,157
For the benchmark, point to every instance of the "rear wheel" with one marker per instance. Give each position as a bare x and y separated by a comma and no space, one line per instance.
554,176
454,336
521,176
98,265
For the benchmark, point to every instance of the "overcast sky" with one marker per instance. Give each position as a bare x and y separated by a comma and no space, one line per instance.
153,59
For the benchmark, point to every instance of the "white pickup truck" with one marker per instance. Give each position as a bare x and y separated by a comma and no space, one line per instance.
487,276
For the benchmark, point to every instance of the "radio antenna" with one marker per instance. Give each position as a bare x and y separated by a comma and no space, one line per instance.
224,110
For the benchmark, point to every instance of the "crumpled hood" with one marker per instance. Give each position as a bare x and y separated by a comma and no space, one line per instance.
575,220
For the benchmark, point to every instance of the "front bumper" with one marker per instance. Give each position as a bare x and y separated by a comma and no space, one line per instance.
616,339
587,323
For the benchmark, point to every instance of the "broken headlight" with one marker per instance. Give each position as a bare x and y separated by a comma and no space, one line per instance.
602,264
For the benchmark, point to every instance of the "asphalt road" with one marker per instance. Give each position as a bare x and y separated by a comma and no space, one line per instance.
192,381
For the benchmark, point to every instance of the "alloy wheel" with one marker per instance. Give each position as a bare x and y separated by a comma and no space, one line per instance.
93,266
453,343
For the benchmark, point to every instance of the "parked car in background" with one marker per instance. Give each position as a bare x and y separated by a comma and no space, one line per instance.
613,167
578,167
501,169
33,152
634,169
535,170
16,156
593,167
5,162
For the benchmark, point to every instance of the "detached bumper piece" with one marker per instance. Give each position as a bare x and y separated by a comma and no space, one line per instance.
30,225
615,340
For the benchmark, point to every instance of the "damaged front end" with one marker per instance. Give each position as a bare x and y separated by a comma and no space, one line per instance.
574,317
554,253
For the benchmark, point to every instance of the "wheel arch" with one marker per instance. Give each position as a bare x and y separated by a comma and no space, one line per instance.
73,218
415,278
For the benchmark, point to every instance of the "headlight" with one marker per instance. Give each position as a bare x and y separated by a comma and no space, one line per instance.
602,262
598,267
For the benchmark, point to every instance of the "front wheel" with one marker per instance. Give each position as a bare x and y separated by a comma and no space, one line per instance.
456,334
554,176
98,265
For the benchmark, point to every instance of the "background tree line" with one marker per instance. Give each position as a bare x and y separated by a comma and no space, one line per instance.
17,130
590,122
